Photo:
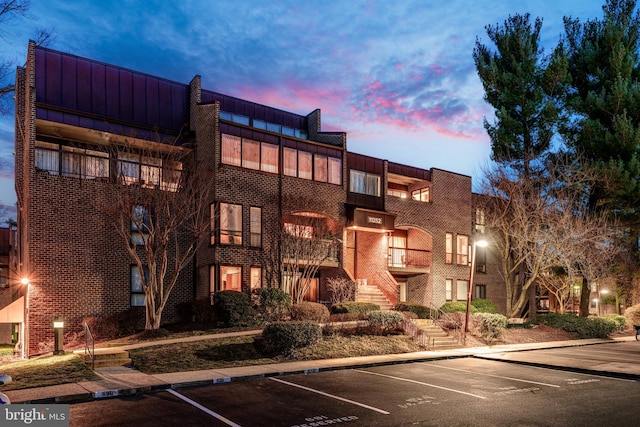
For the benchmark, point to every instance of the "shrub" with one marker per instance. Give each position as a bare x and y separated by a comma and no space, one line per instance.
274,303
341,289
583,327
457,306
114,325
385,321
354,307
621,321
632,314
203,310
484,306
420,310
490,325
233,308
282,337
311,311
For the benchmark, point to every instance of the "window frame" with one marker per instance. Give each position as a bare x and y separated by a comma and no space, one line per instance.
448,248
255,227
134,271
462,249
229,236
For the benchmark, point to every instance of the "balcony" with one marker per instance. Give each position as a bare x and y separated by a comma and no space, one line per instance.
324,253
409,262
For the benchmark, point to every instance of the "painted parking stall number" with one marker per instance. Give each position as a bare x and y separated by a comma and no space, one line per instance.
421,400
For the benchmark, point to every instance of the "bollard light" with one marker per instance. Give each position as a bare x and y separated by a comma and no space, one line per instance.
58,328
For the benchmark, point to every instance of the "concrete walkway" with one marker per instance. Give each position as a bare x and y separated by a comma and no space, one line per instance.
123,381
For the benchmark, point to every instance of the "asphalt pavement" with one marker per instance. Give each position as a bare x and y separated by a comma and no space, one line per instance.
123,381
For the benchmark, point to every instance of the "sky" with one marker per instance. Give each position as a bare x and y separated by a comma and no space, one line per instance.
397,76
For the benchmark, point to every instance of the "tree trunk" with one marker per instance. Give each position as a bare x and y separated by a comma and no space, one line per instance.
585,293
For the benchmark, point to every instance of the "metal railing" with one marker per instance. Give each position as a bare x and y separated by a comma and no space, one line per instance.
89,344
409,258
446,322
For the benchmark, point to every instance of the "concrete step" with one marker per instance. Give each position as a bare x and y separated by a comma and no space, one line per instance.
108,359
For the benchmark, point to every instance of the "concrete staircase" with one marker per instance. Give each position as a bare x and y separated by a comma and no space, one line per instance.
106,358
371,293
438,338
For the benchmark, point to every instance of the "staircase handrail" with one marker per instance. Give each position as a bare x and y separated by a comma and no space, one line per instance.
437,315
89,344
389,286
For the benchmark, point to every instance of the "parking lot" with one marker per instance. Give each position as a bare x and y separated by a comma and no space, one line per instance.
461,391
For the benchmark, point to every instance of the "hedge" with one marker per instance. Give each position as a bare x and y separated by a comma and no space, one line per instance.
311,311
420,310
233,308
282,337
274,303
354,307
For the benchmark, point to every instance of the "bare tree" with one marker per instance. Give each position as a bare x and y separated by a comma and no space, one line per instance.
541,223
304,246
9,11
158,206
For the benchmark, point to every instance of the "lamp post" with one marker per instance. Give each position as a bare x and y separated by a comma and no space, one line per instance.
482,244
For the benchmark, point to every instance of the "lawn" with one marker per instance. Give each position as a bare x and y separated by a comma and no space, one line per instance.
242,351
46,371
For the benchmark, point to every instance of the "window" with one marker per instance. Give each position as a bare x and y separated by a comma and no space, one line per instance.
255,215
448,289
140,225
212,281
137,286
481,259
320,168
462,287
403,291
462,249
212,223
396,193
269,158
171,172
230,224
290,160
335,171
364,183
421,195
305,165
129,167
480,225
47,157
250,154
231,278
256,277
231,150
448,248
480,291
397,251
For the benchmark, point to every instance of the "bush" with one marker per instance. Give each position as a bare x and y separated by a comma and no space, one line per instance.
621,321
484,306
385,321
311,311
282,337
583,327
490,325
420,310
233,308
203,310
457,306
354,307
274,303
341,289
632,314
114,325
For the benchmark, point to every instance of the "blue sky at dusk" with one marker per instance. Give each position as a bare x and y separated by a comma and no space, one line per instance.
398,77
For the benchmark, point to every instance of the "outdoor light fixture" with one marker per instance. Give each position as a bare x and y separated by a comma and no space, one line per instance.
58,328
483,244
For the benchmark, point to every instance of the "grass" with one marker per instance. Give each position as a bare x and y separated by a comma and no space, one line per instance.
6,349
46,371
242,351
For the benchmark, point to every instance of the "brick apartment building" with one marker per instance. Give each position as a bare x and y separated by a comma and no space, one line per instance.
402,232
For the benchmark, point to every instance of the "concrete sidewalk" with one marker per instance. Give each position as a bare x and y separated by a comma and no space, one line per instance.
123,381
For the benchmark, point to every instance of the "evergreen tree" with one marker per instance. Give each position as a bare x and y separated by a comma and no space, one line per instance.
523,86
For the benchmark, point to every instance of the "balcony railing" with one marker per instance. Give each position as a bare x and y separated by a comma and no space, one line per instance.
409,258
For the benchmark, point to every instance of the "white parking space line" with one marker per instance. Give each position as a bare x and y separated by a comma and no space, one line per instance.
490,375
330,395
421,383
204,409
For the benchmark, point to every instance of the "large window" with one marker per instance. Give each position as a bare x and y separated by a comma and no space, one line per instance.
397,251
231,278
212,223
256,277
481,259
230,224
462,249
305,165
256,226
137,289
480,225
421,195
480,291
364,183
290,160
448,289
249,154
448,248
71,161
150,172
318,167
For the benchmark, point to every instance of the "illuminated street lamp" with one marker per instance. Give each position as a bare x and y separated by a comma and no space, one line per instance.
482,244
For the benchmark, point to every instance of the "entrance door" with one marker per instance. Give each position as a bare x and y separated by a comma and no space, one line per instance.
312,291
